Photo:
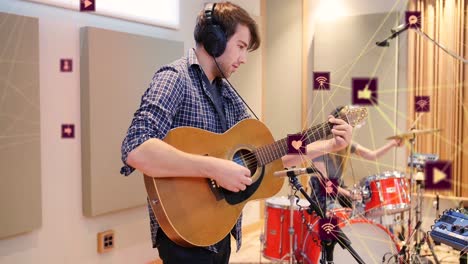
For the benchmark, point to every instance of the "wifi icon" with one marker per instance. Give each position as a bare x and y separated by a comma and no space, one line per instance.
422,103
321,80
327,228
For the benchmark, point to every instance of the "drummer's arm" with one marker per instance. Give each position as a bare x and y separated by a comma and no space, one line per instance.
375,154
344,192
320,165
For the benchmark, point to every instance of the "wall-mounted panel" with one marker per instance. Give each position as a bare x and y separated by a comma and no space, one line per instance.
116,68
20,151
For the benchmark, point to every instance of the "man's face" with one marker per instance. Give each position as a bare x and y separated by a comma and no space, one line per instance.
236,51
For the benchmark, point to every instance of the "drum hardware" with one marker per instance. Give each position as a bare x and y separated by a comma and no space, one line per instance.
355,191
402,253
341,238
294,235
419,160
415,160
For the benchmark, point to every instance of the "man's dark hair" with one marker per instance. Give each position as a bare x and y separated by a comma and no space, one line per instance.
228,15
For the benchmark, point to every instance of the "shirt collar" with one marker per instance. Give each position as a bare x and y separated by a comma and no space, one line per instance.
192,58
193,62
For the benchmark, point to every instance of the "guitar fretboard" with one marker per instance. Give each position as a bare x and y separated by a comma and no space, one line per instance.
278,149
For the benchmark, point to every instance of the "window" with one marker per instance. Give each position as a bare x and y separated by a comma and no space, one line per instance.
153,12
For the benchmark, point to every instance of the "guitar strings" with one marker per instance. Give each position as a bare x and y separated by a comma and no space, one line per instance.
316,135
251,157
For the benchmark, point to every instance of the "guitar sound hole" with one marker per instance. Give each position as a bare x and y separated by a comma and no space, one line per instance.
247,159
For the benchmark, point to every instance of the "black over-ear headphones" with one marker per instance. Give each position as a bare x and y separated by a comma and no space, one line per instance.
213,37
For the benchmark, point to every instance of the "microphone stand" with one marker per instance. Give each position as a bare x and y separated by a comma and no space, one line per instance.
385,43
341,238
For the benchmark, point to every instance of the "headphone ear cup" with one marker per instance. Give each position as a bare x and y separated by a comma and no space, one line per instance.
214,40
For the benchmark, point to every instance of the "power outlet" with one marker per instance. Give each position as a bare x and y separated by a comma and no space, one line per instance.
106,241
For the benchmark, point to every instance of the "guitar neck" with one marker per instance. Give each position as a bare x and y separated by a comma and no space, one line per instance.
278,149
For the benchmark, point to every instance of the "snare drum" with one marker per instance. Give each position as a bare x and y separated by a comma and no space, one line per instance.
387,193
276,244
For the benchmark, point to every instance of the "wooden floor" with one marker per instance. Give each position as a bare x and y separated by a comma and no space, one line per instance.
251,251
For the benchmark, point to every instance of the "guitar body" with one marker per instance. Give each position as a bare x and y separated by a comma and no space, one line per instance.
194,212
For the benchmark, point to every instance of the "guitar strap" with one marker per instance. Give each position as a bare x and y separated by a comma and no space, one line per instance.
216,98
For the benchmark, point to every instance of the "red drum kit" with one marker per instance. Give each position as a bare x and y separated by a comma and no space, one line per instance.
292,234
383,194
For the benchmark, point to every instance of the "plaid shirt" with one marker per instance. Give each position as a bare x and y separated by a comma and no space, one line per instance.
176,97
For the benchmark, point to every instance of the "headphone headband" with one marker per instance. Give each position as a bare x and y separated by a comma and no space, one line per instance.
209,11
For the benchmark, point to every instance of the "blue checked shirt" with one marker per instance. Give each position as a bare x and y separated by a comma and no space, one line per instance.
177,96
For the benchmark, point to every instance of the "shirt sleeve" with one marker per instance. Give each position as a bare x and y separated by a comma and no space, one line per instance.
154,117
319,159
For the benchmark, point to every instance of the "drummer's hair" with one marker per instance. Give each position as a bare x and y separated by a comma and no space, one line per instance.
340,158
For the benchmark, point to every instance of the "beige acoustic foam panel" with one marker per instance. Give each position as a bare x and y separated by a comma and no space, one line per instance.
116,69
20,149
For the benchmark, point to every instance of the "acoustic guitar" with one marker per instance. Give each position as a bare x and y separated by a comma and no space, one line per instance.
198,212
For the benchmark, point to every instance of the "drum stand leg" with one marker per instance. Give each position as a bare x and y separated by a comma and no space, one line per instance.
292,198
419,242
463,257
414,254
327,252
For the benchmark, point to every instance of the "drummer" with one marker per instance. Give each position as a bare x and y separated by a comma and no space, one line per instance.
332,165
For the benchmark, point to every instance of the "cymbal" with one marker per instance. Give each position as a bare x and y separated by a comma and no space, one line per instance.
415,132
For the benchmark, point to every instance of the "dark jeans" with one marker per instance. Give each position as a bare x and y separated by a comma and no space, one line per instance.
171,253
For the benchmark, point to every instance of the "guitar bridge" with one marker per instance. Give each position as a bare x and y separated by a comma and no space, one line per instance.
215,189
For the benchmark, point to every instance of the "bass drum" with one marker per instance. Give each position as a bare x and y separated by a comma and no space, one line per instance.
373,242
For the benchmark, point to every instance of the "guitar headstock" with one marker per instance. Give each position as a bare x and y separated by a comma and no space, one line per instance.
353,115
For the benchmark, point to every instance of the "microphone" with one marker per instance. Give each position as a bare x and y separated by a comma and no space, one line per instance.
383,43
399,28
395,32
295,172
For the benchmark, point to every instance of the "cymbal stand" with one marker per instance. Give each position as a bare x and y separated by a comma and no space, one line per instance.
414,256
411,141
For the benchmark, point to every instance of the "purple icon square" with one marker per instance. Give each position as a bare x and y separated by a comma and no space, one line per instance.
329,187
364,91
321,80
66,65
328,228
296,144
438,175
68,131
413,19
87,5
422,103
